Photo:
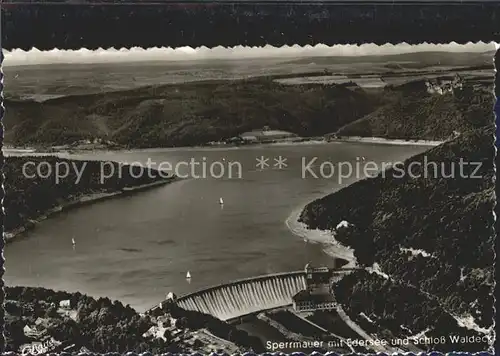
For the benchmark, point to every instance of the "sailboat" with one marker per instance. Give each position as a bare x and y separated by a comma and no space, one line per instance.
188,275
221,202
73,241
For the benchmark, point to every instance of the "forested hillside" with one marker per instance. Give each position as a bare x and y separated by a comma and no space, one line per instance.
432,229
29,194
415,114
185,114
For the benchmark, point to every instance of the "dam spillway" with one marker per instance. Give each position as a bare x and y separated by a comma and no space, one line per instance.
246,296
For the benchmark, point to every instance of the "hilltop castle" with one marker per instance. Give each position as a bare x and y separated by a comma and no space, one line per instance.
443,86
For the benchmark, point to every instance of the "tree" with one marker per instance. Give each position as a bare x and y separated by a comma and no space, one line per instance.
239,337
74,299
168,336
12,308
181,323
52,312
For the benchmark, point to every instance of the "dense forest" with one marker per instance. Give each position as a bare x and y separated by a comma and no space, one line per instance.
28,194
428,225
102,325
403,313
414,114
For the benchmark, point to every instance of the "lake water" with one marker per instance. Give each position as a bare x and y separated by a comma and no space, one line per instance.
138,248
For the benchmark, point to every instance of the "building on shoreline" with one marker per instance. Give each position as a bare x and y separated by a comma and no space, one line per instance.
306,301
317,295
266,135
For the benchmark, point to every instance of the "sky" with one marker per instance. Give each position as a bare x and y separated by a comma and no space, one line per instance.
56,56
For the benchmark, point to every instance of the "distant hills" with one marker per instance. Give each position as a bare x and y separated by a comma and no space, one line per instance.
410,60
196,113
185,114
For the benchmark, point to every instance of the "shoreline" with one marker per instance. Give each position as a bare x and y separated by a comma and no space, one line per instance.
280,142
326,238
30,224
386,141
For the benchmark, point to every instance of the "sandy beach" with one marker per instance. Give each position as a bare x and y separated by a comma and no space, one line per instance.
326,238
380,140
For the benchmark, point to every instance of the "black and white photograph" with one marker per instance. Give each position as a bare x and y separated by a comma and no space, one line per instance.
250,199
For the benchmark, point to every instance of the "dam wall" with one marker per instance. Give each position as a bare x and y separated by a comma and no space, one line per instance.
246,296
250,295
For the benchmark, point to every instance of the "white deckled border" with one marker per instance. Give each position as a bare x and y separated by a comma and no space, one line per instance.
134,54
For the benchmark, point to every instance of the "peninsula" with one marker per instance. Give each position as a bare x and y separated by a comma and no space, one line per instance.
34,191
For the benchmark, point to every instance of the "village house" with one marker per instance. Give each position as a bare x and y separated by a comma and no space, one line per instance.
65,304
32,332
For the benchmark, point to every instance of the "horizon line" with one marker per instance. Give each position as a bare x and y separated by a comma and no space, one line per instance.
20,57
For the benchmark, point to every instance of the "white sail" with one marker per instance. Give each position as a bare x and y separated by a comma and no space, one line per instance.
221,201
188,275
73,241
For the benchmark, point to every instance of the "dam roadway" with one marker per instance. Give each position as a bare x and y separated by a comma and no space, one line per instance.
247,296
